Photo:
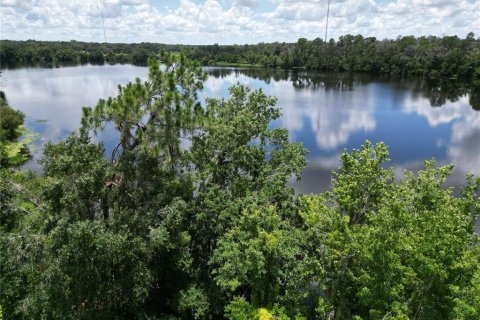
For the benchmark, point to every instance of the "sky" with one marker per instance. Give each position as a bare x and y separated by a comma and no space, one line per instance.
232,21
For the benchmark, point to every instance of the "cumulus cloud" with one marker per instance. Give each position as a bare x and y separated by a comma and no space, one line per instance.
245,3
372,18
235,21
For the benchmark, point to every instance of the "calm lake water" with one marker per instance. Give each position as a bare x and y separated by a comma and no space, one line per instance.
327,112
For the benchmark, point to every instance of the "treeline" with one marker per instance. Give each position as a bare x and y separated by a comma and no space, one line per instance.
52,53
431,57
191,217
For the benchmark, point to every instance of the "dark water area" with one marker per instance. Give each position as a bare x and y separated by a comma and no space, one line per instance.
327,112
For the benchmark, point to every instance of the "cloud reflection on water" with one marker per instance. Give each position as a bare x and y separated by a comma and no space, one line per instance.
464,143
328,113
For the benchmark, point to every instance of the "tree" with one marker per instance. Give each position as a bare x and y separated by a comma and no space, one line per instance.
239,163
191,217
10,120
406,257
12,152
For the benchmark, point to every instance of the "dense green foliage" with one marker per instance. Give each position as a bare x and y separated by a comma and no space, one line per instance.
10,120
12,151
191,217
432,58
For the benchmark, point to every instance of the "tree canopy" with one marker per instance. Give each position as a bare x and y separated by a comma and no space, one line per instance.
12,151
447,59
191,217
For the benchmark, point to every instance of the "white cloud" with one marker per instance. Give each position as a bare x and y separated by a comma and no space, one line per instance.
245,3
236,21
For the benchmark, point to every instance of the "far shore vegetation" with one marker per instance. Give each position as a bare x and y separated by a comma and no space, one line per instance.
448,58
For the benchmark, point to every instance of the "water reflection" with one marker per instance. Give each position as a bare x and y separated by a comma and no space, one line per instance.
331,112
327,112
332,117
464,141
265,75
441,92
329,81
52,98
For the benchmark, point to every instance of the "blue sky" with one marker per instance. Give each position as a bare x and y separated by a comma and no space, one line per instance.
232,21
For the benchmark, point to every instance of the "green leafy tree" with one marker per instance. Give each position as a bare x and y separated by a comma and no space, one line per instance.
12,152
405,258
10,120
191,215
239,162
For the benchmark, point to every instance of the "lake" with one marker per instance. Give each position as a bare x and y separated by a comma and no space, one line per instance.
327,112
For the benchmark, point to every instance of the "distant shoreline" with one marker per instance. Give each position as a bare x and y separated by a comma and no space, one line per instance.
437,59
